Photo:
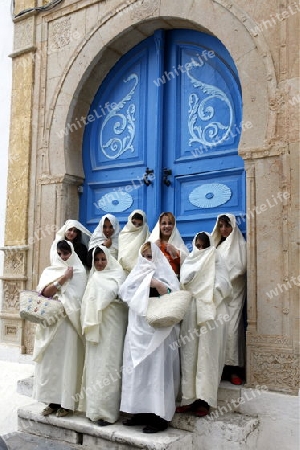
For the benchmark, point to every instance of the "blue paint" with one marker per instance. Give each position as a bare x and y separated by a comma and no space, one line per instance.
172,102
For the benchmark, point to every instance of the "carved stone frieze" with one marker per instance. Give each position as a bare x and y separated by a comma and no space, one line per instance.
14,263
144,8
11,331
279,371
60,33
29,334
11,290
283,341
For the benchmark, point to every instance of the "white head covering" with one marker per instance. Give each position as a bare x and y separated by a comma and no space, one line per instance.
203,274
175,238
70,295
61,233
130,240
233,249
102,289
98,237
135,292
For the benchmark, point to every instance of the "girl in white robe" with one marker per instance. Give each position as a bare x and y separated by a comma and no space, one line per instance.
131,237
59,349
73,231
104,322
203,331
231,245
151,372
106,234
166,235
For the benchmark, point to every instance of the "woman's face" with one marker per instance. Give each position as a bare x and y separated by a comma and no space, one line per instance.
71,234
137,222
200,244
225,228
147,254
100,261
108,229
166,228
64,254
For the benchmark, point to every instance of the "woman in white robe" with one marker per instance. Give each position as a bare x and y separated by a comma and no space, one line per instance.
73,231
166,235
104,322
59,349
151,372
106,234
231,245
131,237
203,331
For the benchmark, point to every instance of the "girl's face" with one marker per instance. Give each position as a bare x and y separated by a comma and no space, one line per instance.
64,255
71,234
100,261
225,228
200,244
147,254
137,222
108,229
166,228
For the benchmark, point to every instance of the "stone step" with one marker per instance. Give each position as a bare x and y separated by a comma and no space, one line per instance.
228,431
76,429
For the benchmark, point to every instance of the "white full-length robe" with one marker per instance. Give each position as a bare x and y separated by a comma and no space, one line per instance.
98,237
59,349
233,252
130,240
151,372
203,333
104,323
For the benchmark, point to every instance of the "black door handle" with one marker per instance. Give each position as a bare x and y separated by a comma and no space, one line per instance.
167,172
146,180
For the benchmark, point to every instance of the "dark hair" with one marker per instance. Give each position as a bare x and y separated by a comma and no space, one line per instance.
78,237
204,238
63,245
137,216
89,258
225,219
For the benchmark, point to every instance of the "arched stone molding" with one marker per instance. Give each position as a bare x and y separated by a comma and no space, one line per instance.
108,41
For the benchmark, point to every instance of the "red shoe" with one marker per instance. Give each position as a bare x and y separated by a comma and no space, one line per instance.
202,411
184,408
235,379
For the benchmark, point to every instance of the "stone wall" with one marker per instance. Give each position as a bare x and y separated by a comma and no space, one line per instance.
60,58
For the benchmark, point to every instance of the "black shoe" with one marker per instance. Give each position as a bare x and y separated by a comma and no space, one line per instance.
136,419
155,429
103,423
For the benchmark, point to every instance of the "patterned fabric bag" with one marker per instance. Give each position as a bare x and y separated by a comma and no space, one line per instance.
39,309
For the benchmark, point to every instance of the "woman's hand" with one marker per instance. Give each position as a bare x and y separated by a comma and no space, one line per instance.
107,243
159,286
172,251
67,275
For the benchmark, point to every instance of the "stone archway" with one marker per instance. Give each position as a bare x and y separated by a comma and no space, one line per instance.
66,94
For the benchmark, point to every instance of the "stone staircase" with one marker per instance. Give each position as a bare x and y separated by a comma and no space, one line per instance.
223,429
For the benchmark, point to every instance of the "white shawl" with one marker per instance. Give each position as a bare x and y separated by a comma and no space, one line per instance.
98,237
205,275
233,249
135,292
70,295
130,240
102,289
60,235
175,239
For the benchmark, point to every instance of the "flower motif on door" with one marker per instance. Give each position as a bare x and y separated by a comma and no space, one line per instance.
204,110
210,195
121,120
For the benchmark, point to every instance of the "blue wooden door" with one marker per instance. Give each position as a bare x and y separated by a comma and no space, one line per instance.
162,135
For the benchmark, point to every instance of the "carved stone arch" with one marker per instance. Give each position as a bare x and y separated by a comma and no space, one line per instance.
106,43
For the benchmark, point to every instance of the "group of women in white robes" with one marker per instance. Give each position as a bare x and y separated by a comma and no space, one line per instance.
146,366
